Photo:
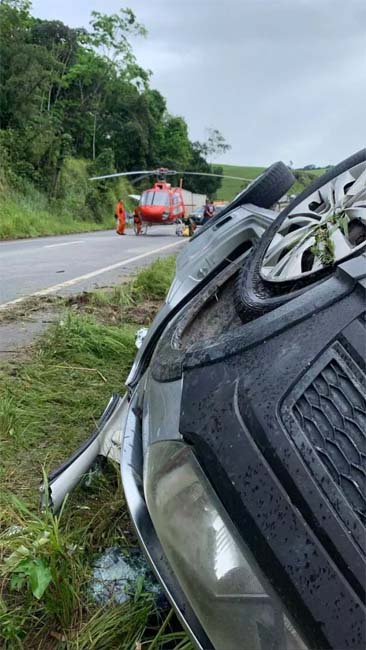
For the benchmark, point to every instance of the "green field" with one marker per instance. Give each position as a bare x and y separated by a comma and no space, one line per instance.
231,188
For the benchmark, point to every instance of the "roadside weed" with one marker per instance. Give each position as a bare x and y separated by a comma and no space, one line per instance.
50,401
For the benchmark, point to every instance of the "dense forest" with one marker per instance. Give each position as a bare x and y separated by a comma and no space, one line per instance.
75,103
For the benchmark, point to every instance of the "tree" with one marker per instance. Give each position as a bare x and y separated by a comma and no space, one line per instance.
202,184
110,35
215,144
15,14
80,93
86,84
156,110
175,145
62,43
101,194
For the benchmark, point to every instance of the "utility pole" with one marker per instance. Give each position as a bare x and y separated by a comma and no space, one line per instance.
94,132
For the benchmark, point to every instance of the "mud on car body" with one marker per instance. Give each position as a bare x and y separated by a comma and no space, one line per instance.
243,431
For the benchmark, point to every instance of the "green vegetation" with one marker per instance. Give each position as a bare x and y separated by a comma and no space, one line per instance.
74,104
31,215
230,187
304,178
25,211
323,247
49,403
39,401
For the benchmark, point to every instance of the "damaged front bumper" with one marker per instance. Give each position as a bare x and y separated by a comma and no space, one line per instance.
104,441
132,480
118,436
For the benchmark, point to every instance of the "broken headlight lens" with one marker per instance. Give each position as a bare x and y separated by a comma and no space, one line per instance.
214,567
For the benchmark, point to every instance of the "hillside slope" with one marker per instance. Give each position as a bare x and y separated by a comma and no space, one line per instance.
25,211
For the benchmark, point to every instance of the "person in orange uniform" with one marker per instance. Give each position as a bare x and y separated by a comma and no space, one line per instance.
137,221
121,218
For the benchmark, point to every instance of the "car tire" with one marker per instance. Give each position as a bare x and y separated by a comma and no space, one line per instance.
253,295
264,191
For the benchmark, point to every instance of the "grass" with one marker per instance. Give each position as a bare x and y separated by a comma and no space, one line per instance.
231,188
31,215
39,399
49,403
25,211
20,220
135,302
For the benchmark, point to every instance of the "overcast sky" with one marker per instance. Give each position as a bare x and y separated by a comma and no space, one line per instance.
281,79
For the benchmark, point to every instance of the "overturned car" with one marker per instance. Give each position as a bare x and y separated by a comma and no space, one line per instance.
242,436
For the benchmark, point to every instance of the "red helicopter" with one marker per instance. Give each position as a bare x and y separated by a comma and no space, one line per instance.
161,204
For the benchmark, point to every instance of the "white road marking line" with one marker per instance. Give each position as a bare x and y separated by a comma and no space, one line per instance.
87,276
67,243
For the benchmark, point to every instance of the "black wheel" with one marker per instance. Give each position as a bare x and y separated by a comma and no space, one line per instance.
264,192
324,225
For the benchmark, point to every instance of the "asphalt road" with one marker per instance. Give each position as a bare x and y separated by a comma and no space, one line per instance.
74,263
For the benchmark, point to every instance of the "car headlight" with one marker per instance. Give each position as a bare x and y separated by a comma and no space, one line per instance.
217,572
165,214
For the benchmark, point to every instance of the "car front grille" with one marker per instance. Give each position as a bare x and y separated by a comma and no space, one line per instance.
331,412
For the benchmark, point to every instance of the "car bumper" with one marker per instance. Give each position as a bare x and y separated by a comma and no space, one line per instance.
104,441
118,436
131,472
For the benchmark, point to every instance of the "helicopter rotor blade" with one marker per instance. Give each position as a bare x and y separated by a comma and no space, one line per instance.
133,181
144,173
237,178
168,172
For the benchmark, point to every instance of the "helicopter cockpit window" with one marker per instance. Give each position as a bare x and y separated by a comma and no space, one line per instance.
155,198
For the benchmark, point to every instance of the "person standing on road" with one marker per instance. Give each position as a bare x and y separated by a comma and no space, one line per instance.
208,210
120,217
137,221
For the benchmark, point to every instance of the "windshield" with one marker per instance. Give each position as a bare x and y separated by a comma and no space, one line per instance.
152,197
220,207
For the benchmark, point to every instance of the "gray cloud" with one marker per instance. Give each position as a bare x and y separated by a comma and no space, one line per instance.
282,79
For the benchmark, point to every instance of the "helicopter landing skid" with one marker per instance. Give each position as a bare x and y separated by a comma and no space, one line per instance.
142,230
